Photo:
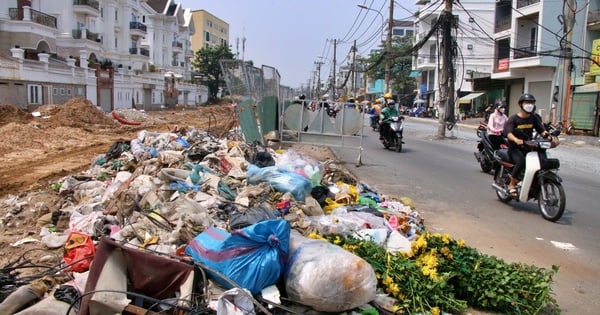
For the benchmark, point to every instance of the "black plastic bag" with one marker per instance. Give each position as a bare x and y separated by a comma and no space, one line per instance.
241,218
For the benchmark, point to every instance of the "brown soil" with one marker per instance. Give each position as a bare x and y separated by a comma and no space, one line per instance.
64,139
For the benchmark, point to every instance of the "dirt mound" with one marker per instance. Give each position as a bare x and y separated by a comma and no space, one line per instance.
12,114
77,112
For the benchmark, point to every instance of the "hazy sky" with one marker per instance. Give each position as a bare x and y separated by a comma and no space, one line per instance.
292,35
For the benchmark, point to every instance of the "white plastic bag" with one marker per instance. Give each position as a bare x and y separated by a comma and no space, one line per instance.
326,277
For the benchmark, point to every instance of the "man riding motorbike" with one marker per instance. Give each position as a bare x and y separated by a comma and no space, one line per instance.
518,129
388,111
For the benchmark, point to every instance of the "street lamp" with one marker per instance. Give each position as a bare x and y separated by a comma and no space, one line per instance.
388,42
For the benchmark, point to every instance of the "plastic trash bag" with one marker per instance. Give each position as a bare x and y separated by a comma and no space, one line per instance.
280,179
252,257
79,251
326,277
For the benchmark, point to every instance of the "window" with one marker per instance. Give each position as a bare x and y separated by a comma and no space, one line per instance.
409,33
35,94
55,91
398,32
533,39
116,43
470,46
206,36
62,91
116,15
68,91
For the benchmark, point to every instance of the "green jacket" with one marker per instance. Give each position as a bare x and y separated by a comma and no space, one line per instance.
388,112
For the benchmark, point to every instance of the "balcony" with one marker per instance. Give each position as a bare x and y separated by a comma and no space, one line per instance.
28,14
137,29
133,50
524,3
144,52
86,7
85,34
525,52
593,23
502,24
177,46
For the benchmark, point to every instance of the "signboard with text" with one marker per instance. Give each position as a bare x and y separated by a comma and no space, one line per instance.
595,65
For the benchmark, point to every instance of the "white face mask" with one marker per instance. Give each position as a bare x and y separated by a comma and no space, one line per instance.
528,107
502,110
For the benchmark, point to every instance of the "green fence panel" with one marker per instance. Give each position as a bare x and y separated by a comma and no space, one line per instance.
248,122
583,110
267,114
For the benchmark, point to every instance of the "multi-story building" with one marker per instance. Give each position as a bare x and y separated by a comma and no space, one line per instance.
472,32
211,30
528,49
117,53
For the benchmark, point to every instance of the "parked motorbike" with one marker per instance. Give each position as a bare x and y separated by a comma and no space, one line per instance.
393,136
486,148
540,181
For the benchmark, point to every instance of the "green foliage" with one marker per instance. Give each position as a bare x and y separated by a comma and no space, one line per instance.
206,63
400,67
442,274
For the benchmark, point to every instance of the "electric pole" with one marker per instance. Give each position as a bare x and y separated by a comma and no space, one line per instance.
354,70
447,73
318,63
567,64
333,97
388,48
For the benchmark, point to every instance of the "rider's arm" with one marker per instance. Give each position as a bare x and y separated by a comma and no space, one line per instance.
511,137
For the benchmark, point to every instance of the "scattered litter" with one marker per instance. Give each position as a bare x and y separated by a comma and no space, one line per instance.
566,246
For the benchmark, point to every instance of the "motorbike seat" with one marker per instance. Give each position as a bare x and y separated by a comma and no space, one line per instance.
503,155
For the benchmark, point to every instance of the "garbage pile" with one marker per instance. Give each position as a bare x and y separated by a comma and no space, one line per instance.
187,222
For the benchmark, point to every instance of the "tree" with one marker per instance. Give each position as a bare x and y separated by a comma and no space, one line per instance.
208,69
401,59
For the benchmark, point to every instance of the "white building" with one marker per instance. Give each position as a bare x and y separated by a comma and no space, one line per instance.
472,31
141,49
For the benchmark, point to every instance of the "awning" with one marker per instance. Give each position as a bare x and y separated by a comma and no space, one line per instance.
467,98
414,74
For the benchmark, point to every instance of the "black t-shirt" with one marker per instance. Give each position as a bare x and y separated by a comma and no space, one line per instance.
522,128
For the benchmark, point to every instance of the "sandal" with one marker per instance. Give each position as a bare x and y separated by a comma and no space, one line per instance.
513,192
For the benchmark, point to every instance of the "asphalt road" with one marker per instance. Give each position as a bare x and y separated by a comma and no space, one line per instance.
449,190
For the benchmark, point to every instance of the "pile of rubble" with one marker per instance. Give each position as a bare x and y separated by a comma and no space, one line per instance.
186,221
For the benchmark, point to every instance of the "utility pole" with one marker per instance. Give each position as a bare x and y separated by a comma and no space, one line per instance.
318,63
354,70
388,47
334,61
447,73
563,110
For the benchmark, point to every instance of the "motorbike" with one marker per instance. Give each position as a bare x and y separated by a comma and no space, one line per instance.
374,119
540,181
393,136
486,148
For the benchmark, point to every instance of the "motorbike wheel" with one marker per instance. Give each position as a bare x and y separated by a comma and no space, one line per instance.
502,180
485,165
397,143
553,206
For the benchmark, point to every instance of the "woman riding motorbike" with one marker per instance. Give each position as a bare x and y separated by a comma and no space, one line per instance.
495,124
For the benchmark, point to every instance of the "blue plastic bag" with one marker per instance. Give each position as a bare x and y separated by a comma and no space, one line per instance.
281,180
253,257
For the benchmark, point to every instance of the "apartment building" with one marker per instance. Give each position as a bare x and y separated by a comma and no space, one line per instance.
211,31
472,31
117,53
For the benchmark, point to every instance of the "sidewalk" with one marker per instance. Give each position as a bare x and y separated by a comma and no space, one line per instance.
577,139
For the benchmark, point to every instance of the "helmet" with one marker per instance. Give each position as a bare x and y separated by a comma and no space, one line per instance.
387,95
377,101
500,104
526,97
301,96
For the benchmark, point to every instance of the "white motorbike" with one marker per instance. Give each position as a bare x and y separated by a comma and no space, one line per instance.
540,181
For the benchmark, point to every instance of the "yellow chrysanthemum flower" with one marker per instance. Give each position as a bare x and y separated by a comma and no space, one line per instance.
461,243
435,311
446,238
